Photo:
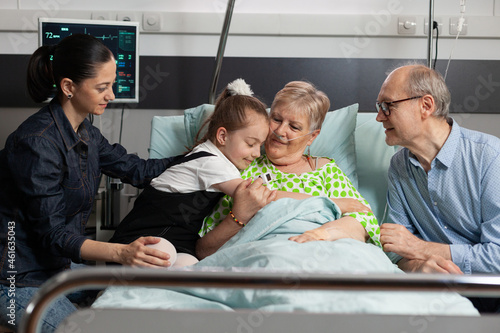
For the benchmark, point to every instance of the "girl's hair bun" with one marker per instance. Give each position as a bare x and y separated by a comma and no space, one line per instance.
239,87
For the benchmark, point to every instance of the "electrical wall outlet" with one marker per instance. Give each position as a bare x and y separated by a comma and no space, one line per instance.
407,25
151,21
440,26
107,16
127,16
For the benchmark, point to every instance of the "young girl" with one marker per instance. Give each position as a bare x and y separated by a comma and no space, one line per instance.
178,200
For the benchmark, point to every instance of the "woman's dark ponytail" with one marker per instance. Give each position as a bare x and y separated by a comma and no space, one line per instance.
40,79
76,57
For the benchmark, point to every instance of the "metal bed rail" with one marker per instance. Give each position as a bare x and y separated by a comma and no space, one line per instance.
99,277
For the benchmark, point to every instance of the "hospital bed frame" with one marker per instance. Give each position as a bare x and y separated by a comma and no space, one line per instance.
253,320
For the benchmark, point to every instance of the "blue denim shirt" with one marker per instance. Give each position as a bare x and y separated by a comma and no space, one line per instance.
50,176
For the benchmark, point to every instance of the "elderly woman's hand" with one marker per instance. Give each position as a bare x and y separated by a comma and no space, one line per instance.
345,227
348,205
249,197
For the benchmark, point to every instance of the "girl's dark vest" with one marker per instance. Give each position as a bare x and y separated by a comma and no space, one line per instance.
176,217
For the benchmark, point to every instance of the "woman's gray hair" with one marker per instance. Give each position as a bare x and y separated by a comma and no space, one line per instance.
425,81
301,96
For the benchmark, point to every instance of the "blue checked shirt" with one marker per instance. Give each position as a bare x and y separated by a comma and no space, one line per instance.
456,203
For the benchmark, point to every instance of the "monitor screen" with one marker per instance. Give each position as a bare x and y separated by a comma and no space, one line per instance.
121,37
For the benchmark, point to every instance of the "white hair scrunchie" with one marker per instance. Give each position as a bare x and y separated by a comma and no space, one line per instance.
239,87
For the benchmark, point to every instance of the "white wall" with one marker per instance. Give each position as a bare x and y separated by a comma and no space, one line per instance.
476,7
278,28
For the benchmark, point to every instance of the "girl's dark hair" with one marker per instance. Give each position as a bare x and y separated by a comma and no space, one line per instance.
76,57
230,113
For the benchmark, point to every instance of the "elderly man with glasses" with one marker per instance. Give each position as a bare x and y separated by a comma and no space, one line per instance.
444,185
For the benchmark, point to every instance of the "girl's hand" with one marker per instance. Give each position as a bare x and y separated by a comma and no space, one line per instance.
249,197
348,205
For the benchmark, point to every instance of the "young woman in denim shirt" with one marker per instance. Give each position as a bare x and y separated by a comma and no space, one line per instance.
50,170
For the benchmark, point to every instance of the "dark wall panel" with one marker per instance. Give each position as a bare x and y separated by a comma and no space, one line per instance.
183,82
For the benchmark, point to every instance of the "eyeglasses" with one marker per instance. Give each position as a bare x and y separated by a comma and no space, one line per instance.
384,106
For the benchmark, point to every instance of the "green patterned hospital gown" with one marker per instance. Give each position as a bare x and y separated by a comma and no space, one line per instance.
328,181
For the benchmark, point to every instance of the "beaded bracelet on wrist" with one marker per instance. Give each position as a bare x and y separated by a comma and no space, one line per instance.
235,219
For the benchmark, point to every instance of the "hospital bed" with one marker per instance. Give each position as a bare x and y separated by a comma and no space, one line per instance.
137,320
356,141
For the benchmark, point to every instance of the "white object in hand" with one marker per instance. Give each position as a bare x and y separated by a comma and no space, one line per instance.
165,246
185,259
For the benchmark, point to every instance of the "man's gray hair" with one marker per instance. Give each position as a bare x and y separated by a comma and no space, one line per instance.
423,80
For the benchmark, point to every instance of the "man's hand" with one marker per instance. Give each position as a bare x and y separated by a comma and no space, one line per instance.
418,255
396,238
435,264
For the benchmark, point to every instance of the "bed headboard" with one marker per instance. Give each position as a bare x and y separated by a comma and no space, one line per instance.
373,157
355,140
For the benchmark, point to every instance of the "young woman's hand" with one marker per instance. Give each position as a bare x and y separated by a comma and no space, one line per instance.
133,254
138,254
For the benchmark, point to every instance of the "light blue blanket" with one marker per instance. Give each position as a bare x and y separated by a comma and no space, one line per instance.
263,245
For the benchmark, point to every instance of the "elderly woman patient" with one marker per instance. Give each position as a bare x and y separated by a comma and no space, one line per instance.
297,114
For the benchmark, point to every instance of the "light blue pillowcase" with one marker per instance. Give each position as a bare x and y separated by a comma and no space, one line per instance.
168,137
194,119
336,139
